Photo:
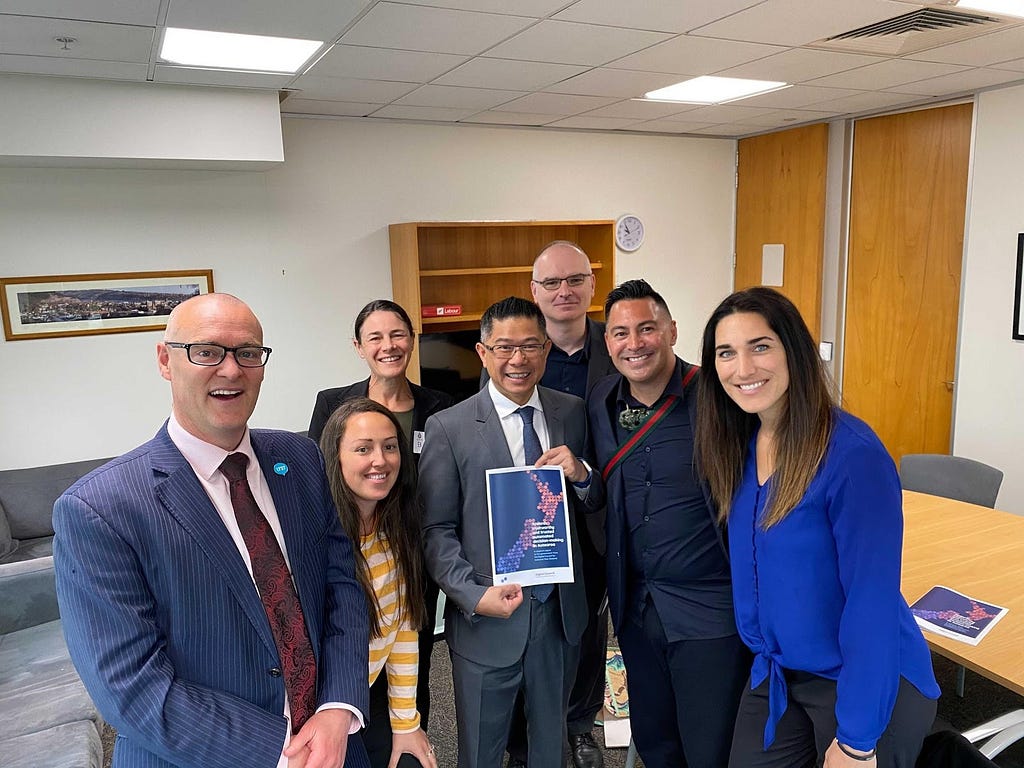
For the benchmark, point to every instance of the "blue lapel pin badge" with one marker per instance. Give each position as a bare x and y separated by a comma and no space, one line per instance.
281,468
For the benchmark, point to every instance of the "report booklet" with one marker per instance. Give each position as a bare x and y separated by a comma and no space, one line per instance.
951,614
529,522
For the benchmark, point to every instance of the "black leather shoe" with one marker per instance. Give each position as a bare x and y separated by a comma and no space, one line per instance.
585,752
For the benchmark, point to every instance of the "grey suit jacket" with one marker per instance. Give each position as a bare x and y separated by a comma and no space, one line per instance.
461,444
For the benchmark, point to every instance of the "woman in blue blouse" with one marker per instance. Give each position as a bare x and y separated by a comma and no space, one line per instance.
815,518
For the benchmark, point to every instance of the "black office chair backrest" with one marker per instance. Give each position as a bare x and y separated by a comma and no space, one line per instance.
951,477
948,749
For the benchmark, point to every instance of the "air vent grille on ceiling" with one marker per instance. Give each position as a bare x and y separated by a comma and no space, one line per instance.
916,21
912,32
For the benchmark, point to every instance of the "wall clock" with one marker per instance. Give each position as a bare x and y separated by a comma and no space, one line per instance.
629,232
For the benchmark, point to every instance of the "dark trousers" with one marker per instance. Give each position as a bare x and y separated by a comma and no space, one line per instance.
484,695
587,695
377,734
431,591
683,695
808,726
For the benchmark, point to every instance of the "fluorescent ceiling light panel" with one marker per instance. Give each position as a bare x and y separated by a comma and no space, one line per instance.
225,50
713,90
998,7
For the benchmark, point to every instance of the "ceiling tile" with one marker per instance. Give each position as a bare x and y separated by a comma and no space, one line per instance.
788,118
508,73
508,118
671,16
107,42
639,109
165,73
535,8
597,123
337,108
457,98
414,28
142,13
797,65
1016,65
797,96
668,126
435,114
960,82
727,131
999,46
623,83
865,102
723,113
565,42
797,22
686,55
309,19
384,64
555,104
49,65
352,89
886,74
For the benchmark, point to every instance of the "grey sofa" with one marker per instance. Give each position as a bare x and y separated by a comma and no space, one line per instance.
26,507
46,715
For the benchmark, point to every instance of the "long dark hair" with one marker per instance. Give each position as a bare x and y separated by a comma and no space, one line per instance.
724,430
398,514
381,305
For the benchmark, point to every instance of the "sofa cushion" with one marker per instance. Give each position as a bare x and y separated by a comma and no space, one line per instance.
70,745
7,542
39,687
28,595
27,495
29,549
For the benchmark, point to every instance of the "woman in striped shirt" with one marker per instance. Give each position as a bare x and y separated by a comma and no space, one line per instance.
373,480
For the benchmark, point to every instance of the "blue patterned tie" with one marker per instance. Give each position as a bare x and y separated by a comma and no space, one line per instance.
532,449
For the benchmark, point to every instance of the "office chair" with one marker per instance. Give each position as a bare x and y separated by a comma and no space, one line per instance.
951,477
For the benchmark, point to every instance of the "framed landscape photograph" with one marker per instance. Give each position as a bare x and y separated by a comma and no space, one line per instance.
1018,321
85,305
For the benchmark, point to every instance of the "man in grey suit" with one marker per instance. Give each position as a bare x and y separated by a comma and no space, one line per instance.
205,583
505,638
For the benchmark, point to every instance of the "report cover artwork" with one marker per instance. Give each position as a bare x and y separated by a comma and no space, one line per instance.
529,524
951,614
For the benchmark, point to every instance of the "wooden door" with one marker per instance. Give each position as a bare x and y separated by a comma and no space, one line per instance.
907,207
780,198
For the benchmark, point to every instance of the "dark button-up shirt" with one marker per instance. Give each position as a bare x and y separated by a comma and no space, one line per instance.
674,554
567,373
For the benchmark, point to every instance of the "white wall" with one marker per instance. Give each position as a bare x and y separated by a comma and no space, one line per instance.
989,417
306,245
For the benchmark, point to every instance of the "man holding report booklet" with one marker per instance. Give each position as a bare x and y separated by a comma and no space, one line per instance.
507,637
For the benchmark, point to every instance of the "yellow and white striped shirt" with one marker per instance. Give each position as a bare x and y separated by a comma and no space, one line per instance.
398,649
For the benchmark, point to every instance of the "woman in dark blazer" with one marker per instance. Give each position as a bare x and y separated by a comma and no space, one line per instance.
384,339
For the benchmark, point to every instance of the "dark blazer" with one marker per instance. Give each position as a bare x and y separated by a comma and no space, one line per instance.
601,410
164,623
426,402
462,443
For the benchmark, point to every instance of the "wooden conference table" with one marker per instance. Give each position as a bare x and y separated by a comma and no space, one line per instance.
979,552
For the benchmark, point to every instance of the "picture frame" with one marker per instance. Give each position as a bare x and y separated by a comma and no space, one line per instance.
53,306
1018,321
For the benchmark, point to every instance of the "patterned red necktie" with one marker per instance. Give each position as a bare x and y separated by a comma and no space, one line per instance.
270,572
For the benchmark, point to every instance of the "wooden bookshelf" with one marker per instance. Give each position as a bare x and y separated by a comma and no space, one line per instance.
475,263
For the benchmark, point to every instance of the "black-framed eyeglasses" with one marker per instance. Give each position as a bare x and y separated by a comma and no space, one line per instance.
554,283
214,354
508,351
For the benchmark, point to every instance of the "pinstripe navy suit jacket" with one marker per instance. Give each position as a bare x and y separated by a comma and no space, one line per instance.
165,625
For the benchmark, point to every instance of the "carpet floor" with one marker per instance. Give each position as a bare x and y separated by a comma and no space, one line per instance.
982,701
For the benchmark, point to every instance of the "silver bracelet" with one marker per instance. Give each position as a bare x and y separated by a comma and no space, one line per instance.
853,756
